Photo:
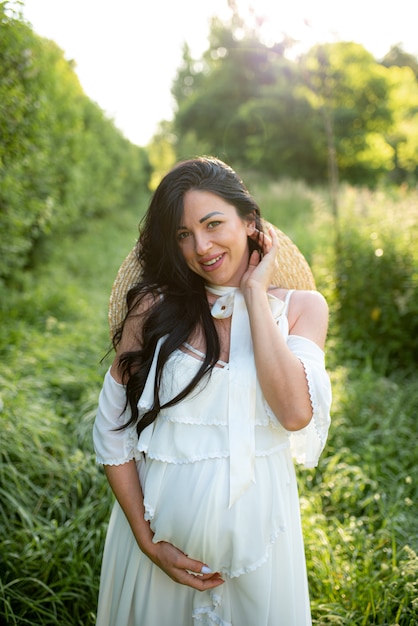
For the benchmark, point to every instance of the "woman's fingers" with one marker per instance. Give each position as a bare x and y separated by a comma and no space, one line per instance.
261,269
198,581
202,575
185,570
254,258
201,581
267,240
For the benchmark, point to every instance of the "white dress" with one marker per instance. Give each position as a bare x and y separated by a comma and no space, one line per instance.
250,531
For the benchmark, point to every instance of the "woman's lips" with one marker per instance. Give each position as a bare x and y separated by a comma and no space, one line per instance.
212,263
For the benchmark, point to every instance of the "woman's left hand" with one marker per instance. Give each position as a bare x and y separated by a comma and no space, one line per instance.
260,270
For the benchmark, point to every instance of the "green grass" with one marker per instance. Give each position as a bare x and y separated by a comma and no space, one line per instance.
361,528
54,499
358,511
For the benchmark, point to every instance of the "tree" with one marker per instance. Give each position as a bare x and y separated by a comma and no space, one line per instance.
231,73
61,159
397,57
402,135
335,112
351,91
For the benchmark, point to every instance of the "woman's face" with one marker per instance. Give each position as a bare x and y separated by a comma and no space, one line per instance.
213,238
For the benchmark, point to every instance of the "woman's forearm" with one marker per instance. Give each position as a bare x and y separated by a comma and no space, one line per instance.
280,372
125,484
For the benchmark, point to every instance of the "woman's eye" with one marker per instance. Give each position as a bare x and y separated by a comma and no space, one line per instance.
183,235
214,224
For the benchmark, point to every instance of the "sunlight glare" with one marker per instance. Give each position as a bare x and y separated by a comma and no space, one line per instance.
273,20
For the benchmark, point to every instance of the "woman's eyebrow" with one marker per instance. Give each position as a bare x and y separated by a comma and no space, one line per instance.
203,219
206,217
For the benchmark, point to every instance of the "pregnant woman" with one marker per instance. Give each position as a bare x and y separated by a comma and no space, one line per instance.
218,383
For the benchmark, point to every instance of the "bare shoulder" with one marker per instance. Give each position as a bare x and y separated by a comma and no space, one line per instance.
312,302
300,297
307,314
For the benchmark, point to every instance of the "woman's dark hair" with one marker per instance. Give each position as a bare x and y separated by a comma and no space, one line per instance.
180,302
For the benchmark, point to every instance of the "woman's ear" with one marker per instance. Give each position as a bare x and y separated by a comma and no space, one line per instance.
251,226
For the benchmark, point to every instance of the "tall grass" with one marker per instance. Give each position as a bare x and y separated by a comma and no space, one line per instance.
55,502
361,527
358,511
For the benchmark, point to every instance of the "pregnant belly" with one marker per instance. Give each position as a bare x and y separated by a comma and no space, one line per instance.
187,505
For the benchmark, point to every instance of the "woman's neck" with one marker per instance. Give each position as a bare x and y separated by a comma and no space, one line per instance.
219,290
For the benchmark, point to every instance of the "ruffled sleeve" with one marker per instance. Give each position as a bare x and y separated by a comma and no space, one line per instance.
112,445
307,444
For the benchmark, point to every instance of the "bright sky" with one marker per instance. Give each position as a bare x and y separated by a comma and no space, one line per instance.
127,51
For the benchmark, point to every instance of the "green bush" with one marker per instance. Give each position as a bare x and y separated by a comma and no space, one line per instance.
376,280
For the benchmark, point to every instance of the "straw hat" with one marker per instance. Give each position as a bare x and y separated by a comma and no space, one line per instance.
293,272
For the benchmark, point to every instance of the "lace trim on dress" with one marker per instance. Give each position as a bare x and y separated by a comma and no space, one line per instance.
207,613
307,444
189,507
131,453
278,530
251,568
102,461
113,445
197,458
204,613
176,442
149,514
183,461
262,420
190,421
314,405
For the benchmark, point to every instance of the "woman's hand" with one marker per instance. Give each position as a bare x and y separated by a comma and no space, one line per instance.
260,270
180,568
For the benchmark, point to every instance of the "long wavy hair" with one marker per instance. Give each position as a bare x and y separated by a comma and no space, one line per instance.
179,299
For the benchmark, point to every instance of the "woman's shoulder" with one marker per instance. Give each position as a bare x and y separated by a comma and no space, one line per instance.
307,312
299,297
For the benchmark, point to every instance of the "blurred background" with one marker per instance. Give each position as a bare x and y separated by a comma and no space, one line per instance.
316,106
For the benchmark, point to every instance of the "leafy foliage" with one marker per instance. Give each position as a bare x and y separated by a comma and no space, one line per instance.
61,159
344,83
376,274
260,108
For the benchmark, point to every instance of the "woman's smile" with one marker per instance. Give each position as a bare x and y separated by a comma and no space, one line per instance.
213,263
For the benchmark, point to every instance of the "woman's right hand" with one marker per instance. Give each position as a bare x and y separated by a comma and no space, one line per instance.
182,569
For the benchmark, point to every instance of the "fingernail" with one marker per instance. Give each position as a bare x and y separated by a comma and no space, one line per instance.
205,570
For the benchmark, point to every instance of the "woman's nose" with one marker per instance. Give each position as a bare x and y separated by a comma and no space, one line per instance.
202,244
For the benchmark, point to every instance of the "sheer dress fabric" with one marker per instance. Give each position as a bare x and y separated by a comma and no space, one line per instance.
183,461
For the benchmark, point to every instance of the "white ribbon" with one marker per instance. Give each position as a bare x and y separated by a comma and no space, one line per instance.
242,389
